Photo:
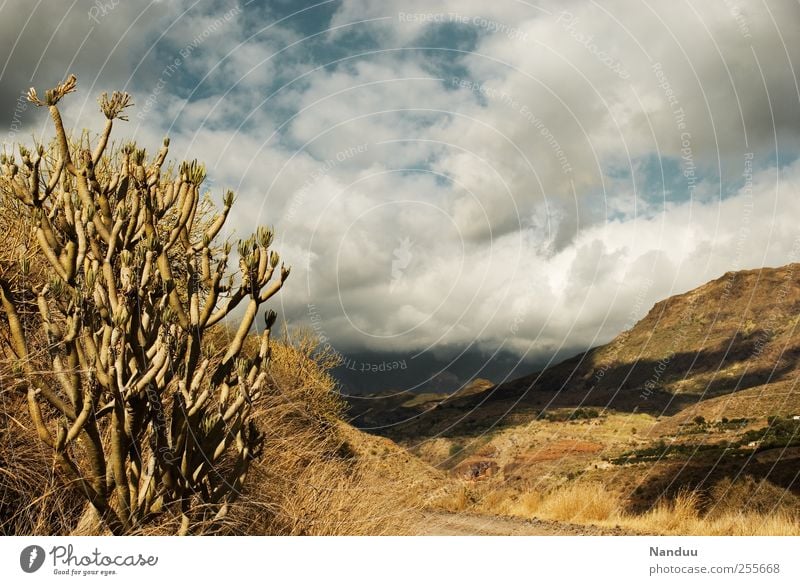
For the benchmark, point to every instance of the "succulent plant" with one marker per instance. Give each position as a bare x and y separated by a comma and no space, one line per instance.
137,281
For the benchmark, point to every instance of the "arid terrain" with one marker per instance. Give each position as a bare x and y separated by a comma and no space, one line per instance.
689,422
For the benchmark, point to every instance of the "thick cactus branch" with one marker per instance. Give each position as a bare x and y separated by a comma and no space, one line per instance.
18,342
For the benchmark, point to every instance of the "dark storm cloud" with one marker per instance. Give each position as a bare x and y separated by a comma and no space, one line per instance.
101,42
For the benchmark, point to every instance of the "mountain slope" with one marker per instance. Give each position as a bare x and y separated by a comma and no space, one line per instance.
737,332
700,397
727,347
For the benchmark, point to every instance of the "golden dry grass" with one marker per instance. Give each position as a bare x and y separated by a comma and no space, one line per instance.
310,479
526,504
580,502
592,503
328,498
455,497
33,499
311,476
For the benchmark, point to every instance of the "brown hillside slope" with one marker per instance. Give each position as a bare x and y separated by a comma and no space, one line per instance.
734,333
730,346
691,409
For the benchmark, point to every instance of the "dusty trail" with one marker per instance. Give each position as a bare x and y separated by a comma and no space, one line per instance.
463,524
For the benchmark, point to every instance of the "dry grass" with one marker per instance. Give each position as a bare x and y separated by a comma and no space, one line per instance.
32,498
743,513
580,502
740,508
526,504
328,498
496,501
682,516
743,524
455,497
677,516
759,497
309,478
576,503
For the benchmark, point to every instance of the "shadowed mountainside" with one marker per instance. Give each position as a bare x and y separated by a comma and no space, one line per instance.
730,345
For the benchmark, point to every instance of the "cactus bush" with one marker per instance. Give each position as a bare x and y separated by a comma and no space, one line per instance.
139,413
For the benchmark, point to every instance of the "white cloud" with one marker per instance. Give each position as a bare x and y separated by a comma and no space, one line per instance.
432,196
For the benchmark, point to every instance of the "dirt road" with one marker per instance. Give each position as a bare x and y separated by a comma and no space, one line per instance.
462,524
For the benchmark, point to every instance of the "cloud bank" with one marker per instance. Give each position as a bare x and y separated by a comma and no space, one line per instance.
512,177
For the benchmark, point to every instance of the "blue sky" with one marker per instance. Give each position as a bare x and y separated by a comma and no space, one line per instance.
454,173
